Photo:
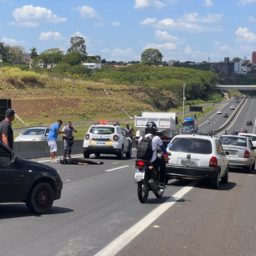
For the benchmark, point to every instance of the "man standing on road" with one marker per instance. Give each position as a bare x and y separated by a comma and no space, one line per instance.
6,131
52,139
68,139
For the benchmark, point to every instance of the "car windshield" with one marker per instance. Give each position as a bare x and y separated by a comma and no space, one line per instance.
235,141
36,131
191,145
102,130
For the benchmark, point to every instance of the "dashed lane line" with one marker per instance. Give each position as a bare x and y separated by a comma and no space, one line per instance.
117,168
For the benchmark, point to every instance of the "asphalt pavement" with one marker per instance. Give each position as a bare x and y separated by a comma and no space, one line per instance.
99,214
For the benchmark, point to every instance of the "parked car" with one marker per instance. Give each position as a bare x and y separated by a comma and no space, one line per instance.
34,134
240,151
251,136
21,180
225,115
106,138
197,156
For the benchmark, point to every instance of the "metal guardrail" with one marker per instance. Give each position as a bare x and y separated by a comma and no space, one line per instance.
231,118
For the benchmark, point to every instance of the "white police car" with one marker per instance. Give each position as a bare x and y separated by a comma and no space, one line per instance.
105,138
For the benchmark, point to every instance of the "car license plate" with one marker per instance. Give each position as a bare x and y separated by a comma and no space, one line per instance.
100,142
139,176
188,162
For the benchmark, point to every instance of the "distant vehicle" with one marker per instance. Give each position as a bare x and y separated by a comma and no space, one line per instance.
240,151
35,184
34,134
165,122
234,132
197,156
107,138
232,107
189,125
219,112
225,115
249,123
251,136
187,130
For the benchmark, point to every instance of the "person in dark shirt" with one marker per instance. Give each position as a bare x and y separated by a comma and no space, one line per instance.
6,131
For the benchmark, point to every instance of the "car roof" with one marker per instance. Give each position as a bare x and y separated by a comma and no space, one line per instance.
197,136
234,136
37,127
245,133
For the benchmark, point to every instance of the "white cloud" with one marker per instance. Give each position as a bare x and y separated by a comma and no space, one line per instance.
164,36
118,54
208,3
162,46
88,12
10,41
246,2
115,23
33,16
252,19
245,34
50,35
147,3
190,22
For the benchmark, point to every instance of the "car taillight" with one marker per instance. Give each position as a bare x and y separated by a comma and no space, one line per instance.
115,137
246,154
140,164
213,162
87,136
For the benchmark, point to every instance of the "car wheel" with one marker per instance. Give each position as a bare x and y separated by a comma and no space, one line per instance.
129,153
224,179
41,198
120,154
216,182
86,154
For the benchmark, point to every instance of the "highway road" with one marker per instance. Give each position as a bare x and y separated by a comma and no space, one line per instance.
99,214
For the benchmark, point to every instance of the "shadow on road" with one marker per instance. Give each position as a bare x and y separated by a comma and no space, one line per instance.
8,211
206,184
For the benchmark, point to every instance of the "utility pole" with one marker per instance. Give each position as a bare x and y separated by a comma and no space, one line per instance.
184,98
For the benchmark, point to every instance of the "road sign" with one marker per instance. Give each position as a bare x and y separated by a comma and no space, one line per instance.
195,108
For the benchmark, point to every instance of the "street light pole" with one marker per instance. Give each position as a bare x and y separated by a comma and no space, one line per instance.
184,98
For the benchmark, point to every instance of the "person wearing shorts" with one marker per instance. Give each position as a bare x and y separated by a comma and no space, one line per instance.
52,139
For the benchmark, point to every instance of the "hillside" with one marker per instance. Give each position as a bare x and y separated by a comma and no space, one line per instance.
40,98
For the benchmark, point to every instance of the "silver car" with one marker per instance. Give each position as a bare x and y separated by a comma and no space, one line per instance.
34,134
240,150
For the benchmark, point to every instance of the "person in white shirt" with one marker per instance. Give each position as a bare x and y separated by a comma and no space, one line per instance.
159,163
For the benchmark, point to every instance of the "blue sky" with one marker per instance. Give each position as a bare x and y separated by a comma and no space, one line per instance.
195,30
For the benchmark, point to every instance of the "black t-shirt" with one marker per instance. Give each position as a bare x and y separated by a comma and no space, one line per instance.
6,128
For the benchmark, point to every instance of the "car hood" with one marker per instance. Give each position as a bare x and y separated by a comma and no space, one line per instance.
35,166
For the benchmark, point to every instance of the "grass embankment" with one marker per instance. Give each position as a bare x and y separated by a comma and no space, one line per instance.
41,98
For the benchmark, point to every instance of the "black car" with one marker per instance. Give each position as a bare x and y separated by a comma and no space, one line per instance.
249,123
33,183
225,115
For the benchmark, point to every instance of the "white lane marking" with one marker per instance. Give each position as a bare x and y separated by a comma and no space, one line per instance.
117,168
254,125
123,240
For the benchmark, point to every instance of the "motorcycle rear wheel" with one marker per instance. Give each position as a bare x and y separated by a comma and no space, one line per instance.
142,192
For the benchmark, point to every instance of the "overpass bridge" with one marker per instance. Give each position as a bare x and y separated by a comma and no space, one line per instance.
243,87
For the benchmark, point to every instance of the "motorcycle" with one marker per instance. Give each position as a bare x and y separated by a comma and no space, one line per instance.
147,179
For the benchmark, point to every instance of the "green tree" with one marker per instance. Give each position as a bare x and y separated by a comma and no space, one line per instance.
16,55
151,57
73,58
78,45
50,57
4,52
33,53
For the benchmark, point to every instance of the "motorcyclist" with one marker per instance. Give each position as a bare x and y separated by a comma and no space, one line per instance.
159,163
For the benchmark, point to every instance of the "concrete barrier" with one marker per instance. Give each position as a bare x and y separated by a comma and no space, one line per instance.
37,149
